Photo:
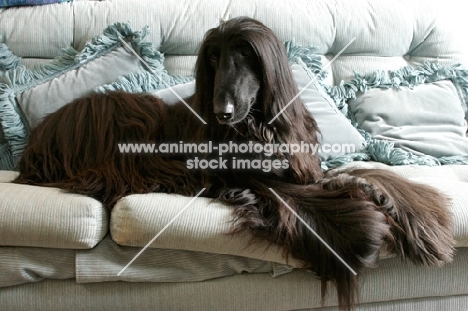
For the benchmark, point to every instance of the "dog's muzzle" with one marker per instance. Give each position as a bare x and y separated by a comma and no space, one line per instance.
225,112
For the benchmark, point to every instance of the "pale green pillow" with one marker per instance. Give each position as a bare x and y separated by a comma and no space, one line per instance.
411,115
428,119
8,61
337,134
30,95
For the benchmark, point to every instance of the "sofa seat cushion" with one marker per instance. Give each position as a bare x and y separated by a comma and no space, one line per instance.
203,226
47,217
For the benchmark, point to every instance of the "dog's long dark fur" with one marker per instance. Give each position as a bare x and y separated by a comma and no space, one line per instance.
243,80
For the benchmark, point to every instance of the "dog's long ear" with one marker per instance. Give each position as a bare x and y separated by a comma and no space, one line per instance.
279,89
202,101
282,109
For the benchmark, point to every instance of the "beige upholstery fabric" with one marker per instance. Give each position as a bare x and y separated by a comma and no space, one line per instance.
41,32
47,217
393,283
178,27
203,226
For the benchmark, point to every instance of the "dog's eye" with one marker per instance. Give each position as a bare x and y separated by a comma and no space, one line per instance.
212,54
245,50
213,57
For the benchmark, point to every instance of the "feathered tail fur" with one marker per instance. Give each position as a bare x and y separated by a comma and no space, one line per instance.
358,213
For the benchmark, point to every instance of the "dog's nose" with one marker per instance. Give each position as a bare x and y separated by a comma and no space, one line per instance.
224,112
224,116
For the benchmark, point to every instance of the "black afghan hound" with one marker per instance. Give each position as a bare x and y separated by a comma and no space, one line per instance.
243,81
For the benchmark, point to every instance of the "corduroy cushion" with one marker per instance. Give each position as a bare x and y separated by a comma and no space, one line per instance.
202,226
47,217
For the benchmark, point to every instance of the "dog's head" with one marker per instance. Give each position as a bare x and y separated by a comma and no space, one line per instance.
241,66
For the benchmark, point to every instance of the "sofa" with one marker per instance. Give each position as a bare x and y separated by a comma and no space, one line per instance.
387,77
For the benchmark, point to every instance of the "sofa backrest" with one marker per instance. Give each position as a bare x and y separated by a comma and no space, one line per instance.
387,34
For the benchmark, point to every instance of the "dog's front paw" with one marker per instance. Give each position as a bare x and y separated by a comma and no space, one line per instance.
238,196
340,180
